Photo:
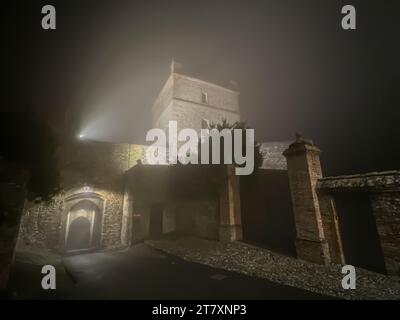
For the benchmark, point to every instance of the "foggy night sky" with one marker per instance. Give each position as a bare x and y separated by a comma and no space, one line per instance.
296,68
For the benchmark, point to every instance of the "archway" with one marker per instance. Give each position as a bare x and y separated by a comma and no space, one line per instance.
83,229
79,234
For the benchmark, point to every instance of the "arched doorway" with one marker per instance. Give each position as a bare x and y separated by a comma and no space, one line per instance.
83,229
78,234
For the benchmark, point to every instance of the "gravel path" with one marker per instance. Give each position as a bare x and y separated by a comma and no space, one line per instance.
254,261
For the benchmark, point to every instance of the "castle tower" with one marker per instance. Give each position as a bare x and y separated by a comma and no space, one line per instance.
193,102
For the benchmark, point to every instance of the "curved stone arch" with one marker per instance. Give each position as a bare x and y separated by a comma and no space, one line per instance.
73,201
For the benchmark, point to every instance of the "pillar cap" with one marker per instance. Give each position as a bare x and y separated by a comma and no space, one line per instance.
301,145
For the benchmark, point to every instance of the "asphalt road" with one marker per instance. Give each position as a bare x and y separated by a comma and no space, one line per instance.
144,273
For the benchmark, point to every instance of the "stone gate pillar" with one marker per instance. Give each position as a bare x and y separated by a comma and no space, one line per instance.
315,219
230,215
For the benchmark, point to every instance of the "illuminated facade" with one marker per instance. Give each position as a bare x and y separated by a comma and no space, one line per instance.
194,103
95,210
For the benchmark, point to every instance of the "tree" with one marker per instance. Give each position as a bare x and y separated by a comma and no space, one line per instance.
258,158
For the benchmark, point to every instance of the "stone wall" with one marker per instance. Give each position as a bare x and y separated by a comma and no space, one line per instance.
140,224
273,155
367,182
316,216
190,115
191,89
181,100
199,200
41,223
198,217
384,193
86,168
169,218
386,208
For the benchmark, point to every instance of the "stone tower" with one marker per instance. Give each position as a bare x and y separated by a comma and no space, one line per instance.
193,102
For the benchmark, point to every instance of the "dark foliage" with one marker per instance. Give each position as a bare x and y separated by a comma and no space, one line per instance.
30,144
237,125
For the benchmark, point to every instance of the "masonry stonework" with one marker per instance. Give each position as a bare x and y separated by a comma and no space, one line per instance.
273,155
384,193
230,213
317,235
386,208
191,101
128,196
88,171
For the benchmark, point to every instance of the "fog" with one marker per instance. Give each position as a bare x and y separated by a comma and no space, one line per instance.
296,68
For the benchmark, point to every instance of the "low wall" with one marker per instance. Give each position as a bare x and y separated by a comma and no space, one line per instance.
203,201
383,189
369,182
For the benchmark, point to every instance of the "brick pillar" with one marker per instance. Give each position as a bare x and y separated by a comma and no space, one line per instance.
386,208
230,228
316,225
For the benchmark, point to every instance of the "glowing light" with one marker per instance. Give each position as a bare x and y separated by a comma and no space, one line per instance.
81,136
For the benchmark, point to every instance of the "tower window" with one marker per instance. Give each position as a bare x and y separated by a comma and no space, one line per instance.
204,97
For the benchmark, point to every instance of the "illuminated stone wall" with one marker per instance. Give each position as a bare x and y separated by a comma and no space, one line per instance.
202,201
181,99
86,168
273,155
